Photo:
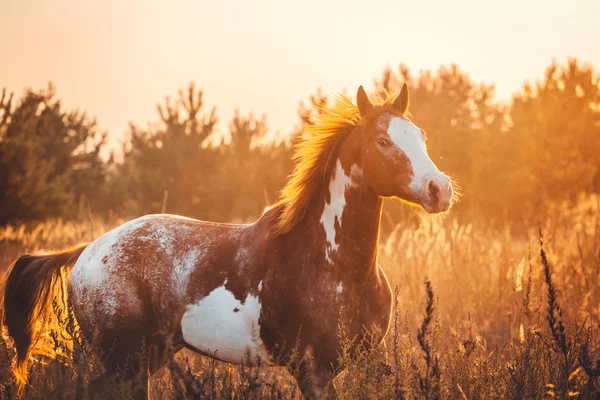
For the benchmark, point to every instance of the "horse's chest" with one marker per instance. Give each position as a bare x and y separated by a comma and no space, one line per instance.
367,307
224,327
370,312
356,307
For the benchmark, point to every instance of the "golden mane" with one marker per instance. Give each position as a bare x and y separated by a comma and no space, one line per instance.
315,156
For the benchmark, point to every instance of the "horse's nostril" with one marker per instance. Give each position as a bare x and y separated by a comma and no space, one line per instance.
434,190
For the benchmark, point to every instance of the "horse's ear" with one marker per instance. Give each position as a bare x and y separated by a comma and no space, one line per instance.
363,102
401,102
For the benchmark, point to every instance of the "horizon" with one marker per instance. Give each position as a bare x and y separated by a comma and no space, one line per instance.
117,61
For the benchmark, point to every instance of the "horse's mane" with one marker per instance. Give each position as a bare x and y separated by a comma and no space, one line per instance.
315,156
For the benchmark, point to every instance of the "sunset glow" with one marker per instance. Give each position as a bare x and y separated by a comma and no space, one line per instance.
319,200
117,59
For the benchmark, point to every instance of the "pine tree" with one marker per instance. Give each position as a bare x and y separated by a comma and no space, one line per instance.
200,173
49,158
556,130
172,159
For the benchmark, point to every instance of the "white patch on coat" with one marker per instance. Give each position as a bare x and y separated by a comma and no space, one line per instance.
409,139
163,234
173,216
243,259
340,288
356,173
182,268
100,287
212,326
334,209
91,283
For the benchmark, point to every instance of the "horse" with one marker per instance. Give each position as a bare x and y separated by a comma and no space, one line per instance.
245,293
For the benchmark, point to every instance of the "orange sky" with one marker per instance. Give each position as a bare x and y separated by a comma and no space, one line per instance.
117,59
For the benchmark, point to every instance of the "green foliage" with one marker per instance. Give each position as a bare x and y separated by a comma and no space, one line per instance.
463,126
255,167
170,157
183,166
556,125
509,160
49,158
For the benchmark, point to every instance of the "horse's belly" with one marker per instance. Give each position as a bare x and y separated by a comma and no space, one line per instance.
225,328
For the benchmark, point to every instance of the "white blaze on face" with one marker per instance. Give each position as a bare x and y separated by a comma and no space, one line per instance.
409,138
221,325
335,207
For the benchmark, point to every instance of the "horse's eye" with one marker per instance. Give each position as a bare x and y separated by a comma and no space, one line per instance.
383,142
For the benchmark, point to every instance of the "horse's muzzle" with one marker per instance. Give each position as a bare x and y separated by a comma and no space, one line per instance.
439,194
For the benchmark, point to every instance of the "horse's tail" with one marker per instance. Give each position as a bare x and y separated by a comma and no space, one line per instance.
31,284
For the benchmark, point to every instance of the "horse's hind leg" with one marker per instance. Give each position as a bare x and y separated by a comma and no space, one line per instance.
112,385
127,373
162,349
126,363
105,386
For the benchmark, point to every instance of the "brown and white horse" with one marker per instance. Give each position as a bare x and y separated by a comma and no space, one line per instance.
243,292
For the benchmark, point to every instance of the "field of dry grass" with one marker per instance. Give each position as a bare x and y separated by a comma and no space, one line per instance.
481,313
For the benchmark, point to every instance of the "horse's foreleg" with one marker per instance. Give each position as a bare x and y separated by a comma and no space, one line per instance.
314,380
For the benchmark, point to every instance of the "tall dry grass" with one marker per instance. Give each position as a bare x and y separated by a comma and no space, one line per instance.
500,315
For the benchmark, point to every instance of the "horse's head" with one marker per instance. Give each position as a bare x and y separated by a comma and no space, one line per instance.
394,158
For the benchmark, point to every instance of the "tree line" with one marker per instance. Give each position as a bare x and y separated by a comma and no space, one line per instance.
511,160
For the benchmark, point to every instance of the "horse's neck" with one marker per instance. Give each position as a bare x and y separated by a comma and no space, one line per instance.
348,212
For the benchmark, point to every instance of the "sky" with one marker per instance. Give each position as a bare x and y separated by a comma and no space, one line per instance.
117,59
